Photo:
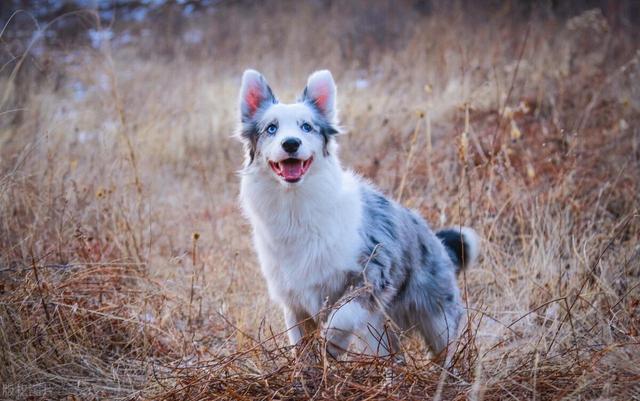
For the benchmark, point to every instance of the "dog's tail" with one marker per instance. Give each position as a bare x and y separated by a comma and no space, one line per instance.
462,245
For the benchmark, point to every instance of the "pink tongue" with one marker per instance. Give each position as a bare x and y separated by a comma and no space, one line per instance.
292,170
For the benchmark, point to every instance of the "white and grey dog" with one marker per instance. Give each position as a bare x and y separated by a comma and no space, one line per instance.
326,237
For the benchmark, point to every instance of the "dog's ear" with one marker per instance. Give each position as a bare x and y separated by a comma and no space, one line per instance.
321,93
255,93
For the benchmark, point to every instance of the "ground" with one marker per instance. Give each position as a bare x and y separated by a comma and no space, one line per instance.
127,270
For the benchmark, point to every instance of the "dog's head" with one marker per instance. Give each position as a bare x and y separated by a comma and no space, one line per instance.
287,140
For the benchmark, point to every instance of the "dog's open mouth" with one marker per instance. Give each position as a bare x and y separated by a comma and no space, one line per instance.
291,169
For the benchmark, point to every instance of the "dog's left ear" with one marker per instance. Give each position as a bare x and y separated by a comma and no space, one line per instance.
321,93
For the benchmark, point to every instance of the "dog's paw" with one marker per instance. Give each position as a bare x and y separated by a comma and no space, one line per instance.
304,380
394,373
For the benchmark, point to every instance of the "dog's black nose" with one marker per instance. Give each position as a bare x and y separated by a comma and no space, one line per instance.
290,145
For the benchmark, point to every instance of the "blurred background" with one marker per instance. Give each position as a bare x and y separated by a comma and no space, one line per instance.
127,269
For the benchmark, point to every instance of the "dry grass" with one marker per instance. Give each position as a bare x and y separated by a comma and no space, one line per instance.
126,270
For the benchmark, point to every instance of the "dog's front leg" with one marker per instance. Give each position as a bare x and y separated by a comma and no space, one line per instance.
299,324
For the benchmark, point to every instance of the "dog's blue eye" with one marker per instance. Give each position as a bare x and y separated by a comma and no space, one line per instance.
306,127
272,128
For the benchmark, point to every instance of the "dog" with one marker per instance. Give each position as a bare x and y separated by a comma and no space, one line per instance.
328,239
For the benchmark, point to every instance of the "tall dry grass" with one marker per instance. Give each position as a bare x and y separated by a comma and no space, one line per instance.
126,269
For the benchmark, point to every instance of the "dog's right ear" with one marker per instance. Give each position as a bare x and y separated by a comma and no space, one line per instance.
255,94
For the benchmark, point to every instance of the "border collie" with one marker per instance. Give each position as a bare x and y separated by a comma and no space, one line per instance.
336,253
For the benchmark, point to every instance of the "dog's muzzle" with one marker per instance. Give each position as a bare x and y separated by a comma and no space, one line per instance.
291,170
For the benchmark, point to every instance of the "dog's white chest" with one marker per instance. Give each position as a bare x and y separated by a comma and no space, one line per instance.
307,269
307,245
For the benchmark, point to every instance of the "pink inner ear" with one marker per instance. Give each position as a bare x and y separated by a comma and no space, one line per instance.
253,98
321,96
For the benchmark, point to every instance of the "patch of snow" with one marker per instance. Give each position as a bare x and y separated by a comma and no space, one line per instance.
362,83
125,38
188,10
138,14
154,3
193,36
79,91
85,136
98,37
148,318
109,125
103,81
107,15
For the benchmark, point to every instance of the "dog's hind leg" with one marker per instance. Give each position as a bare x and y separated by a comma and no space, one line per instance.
340,327
376,337
439,329
356,321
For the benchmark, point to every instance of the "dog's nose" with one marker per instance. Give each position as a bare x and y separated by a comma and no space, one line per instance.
290,145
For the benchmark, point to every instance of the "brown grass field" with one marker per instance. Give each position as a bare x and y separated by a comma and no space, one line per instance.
127,270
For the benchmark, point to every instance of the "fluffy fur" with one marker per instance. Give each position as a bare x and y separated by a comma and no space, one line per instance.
327,238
